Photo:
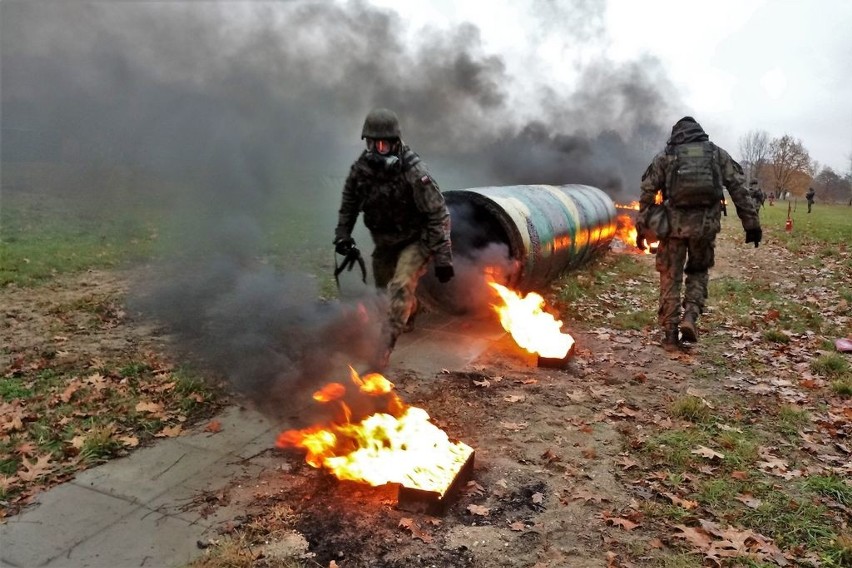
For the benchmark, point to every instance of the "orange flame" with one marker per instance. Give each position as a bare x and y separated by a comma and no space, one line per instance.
398,446
626,232
632,205
530,326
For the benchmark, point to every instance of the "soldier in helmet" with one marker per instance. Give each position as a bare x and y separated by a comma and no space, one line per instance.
756,193
691,172
405,213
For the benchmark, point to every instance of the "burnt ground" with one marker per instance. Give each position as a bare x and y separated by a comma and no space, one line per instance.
557,450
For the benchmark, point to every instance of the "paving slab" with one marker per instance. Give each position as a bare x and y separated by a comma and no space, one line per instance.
150,472
61,518
143,538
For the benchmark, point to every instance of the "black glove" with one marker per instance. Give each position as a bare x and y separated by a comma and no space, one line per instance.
344,245
444,273
640,240
754,236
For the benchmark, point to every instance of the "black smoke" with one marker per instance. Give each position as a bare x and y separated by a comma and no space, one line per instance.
217,113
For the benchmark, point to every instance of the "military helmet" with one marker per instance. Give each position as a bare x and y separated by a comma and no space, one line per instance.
381,123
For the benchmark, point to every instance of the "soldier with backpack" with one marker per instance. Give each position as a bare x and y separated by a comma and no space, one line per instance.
691,173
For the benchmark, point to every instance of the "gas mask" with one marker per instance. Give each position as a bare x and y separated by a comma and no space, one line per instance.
382,154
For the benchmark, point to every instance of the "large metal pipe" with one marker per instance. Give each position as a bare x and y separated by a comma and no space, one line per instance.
547,229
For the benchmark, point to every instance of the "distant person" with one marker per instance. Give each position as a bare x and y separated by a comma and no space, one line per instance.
810,197
757,194
406,215
691,173
771,198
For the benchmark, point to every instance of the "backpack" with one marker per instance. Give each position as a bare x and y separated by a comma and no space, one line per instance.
694,176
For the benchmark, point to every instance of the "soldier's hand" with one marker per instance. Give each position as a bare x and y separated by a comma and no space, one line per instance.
754,236
344,245
640,241
444,273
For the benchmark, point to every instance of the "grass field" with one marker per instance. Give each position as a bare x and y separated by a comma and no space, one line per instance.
48,230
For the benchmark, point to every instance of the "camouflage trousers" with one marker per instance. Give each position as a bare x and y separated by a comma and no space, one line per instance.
675,257
398,270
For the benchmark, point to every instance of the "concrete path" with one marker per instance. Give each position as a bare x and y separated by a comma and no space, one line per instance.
138,510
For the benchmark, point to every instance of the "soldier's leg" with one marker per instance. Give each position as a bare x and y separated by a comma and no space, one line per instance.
701,257
671,254
402,288
384,264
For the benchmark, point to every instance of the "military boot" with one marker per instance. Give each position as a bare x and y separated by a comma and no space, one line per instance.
687,325
670,339
381,358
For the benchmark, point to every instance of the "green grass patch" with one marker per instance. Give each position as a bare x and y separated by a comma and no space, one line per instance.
674,447
831,486
719,493
12,388
791,521
690,408
842,387
831,365
776,336
826,223
791,419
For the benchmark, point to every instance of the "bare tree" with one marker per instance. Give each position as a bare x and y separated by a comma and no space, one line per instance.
832,187
789,161
754,152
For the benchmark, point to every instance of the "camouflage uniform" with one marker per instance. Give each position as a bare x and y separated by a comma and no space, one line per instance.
757,194
689,248
408,221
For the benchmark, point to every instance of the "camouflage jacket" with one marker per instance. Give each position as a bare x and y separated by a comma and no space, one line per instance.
401,205
702,222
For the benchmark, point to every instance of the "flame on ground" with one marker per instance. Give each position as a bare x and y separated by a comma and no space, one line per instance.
530,326
626,232
400,445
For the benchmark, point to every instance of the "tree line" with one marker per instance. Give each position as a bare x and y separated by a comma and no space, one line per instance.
784,165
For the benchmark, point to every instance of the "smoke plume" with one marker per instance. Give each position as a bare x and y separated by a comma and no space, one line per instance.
237,123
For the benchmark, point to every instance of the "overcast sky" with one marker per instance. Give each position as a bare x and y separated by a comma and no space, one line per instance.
783,66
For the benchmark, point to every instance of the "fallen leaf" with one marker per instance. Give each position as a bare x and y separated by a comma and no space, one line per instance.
706,452
479,510
697,537
587,496
483,383
537,498
749,500
550,456
69,391
214,426
26,449
514,398
78,442
35,469
741,475
589,453
685,503
131,441
517,526
627,463
415,530
147,406
514,425
169,432
626,524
